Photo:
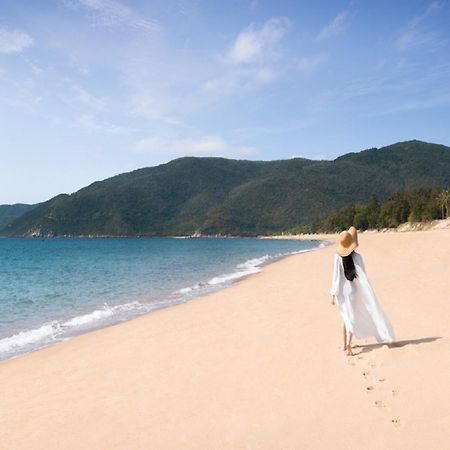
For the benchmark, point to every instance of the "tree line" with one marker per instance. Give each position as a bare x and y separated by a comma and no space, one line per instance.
407,206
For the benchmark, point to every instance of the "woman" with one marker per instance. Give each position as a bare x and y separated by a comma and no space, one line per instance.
356,300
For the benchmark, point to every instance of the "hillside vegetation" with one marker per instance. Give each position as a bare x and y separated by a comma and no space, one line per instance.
229,197
8,213
422,205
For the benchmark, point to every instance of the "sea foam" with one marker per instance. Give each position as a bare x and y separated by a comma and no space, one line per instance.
27,337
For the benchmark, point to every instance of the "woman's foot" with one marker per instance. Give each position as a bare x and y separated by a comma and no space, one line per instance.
349,350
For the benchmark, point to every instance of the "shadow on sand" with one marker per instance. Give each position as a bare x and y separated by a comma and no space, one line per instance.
370,347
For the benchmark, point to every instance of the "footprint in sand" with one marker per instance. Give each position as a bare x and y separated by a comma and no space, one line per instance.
379,404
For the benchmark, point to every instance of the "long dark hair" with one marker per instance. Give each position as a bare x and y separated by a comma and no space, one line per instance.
349,267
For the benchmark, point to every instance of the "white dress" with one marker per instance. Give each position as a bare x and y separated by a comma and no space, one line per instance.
358,304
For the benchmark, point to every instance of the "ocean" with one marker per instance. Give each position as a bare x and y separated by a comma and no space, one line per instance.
53,289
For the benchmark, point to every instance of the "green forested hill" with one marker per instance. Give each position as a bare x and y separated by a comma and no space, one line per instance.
216,195
8,213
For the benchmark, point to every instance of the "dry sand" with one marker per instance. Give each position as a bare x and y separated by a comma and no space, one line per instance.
256,366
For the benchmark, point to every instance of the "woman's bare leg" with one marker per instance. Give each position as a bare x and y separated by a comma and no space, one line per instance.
345,338
349,345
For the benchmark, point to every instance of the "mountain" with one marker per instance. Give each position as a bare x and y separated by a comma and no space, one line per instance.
8,213
217,195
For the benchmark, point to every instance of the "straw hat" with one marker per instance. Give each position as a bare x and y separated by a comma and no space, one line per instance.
348,241
354,233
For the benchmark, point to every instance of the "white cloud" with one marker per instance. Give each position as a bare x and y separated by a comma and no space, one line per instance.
252,45
108,13
36,68
155,106
307,64
91,125
81,95
250,61
80,68
209,145
286,127
416,33
338,24
22,100
413,37
241,80
14,41
433,6
223,84
265,75
432,102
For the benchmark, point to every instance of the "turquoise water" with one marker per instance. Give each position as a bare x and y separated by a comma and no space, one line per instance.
52,289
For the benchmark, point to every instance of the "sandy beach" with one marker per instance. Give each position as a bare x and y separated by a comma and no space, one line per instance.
259,365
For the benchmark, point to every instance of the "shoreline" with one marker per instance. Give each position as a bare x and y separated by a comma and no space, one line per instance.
326,237
260,366
51,330
404,227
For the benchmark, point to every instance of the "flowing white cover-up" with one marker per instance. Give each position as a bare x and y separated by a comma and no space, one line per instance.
358,304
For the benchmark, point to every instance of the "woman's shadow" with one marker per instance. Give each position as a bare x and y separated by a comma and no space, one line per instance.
370,347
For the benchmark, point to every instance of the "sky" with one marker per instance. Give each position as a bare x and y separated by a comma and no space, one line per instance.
93,88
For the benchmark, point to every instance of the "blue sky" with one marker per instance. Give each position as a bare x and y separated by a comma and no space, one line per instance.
93,88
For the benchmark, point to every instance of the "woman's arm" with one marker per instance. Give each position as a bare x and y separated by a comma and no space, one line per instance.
360,261
335,280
